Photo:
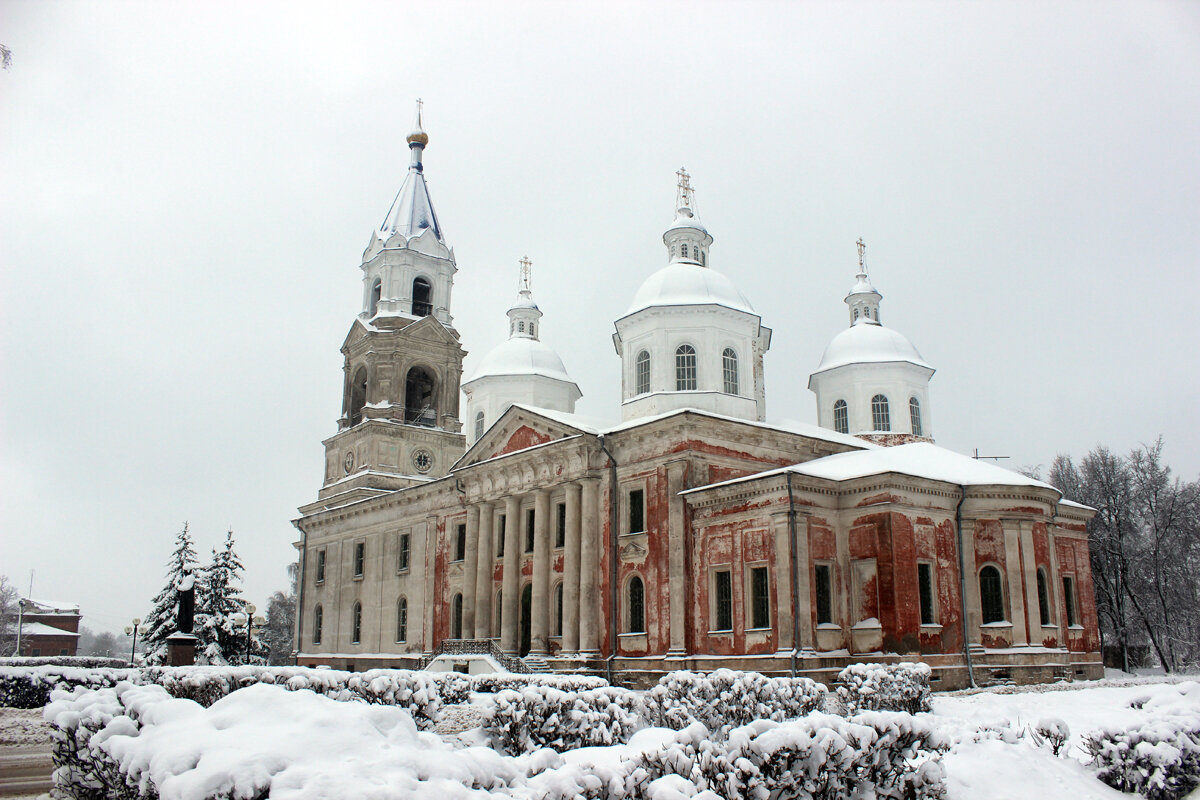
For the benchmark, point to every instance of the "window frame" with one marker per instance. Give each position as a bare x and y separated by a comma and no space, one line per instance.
480,419
460,541
321,565
640,491
560,525
721,607
1070,605
927,592
641,373
686,368
759,603
557,609
881,415
318,629
823,600
530,530
401,620
360,559
986,598
404,552
841,422
730,376
1045,609
356,623
914,416
456,616
501,532
635,602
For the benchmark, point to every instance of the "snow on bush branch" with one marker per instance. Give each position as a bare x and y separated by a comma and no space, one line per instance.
542,716
885,687
726,699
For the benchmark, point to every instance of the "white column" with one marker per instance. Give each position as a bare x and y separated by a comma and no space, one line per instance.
783,580
570,640
511,601
1033,609
540,605
469,582
483,573
589,569
1016,592
677,583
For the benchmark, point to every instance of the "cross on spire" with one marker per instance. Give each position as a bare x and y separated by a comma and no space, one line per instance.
684,185
525,265
862,248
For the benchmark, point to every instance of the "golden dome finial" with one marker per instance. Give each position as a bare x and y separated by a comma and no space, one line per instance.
418,135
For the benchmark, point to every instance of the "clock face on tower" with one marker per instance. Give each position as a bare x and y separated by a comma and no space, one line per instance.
423,460
348,461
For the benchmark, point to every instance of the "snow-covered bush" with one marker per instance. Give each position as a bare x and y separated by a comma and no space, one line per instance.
29,687
84,662
493,682
726,699
885,687
1052,732
542,716
1159,759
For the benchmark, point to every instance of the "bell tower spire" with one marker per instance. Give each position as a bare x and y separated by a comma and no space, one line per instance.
524,315
863,299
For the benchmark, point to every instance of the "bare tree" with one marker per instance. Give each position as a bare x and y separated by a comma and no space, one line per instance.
9,596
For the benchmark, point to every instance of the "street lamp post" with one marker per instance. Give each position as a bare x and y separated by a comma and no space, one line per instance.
134,630
251,621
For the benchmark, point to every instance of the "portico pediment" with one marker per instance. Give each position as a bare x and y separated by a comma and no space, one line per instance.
517,429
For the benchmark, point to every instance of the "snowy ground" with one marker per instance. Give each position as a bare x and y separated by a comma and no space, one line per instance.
977,769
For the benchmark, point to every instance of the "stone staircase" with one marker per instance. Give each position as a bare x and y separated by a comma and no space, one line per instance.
537,665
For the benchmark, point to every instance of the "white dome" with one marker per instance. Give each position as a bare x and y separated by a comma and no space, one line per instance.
869,343
684,284
522,356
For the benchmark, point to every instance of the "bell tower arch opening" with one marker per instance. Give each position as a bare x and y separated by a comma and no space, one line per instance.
422,297
358,395
420,397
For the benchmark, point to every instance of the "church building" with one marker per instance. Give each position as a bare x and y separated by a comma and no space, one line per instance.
692,534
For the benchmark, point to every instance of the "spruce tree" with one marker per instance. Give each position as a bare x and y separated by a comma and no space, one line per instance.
163,619
222,640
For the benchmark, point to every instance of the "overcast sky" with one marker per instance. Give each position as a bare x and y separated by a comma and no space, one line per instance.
188,188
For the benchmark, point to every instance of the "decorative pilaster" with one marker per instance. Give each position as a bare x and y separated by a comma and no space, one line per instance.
589,569
677,582
510,610
470,563
540,621
784,560
1012,569
483,573
1029,575
570,640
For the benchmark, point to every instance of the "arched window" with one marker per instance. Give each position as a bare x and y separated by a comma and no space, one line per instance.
856,315
376,291
318,623
880,420
558,610
420,401
356,624
533,329
521,326
685,255
456,617
637,605
642,369
358,395
1043,597
991,595
841,417
422,295
729,369
402,620
478,425
702,259
914,413
685,368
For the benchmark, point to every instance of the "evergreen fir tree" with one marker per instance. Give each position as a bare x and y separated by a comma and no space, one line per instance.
222,639
163,619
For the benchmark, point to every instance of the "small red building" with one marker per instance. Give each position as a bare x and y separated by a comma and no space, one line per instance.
49,628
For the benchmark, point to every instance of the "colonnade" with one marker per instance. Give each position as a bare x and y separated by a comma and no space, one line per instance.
487,522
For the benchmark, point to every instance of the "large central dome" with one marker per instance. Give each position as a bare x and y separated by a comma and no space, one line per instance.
685,284
520,356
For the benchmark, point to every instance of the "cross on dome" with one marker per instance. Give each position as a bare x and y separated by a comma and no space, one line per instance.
863,299
524,315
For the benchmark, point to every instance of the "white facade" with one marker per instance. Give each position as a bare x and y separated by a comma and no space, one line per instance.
522,370
691,339
871,380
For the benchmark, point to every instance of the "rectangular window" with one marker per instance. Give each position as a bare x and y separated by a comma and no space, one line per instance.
724,601
824,594
321,566
360,558
760,598
530,519
1069,599
637,511
925,587
500,537
560,526
460,541
403,560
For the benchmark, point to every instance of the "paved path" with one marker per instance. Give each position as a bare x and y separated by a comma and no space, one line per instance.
25,771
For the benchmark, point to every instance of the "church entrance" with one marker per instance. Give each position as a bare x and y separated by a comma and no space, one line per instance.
526,619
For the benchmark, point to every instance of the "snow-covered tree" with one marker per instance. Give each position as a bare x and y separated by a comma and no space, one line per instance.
8,616
218,601
163,619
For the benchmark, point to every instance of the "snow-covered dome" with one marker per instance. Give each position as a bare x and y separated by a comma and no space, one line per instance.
688,284
522,356
867,342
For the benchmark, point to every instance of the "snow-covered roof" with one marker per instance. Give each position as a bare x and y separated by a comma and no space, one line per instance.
868,342
918,459
684,218
522,356
412,210
41,629
35,606
687,284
